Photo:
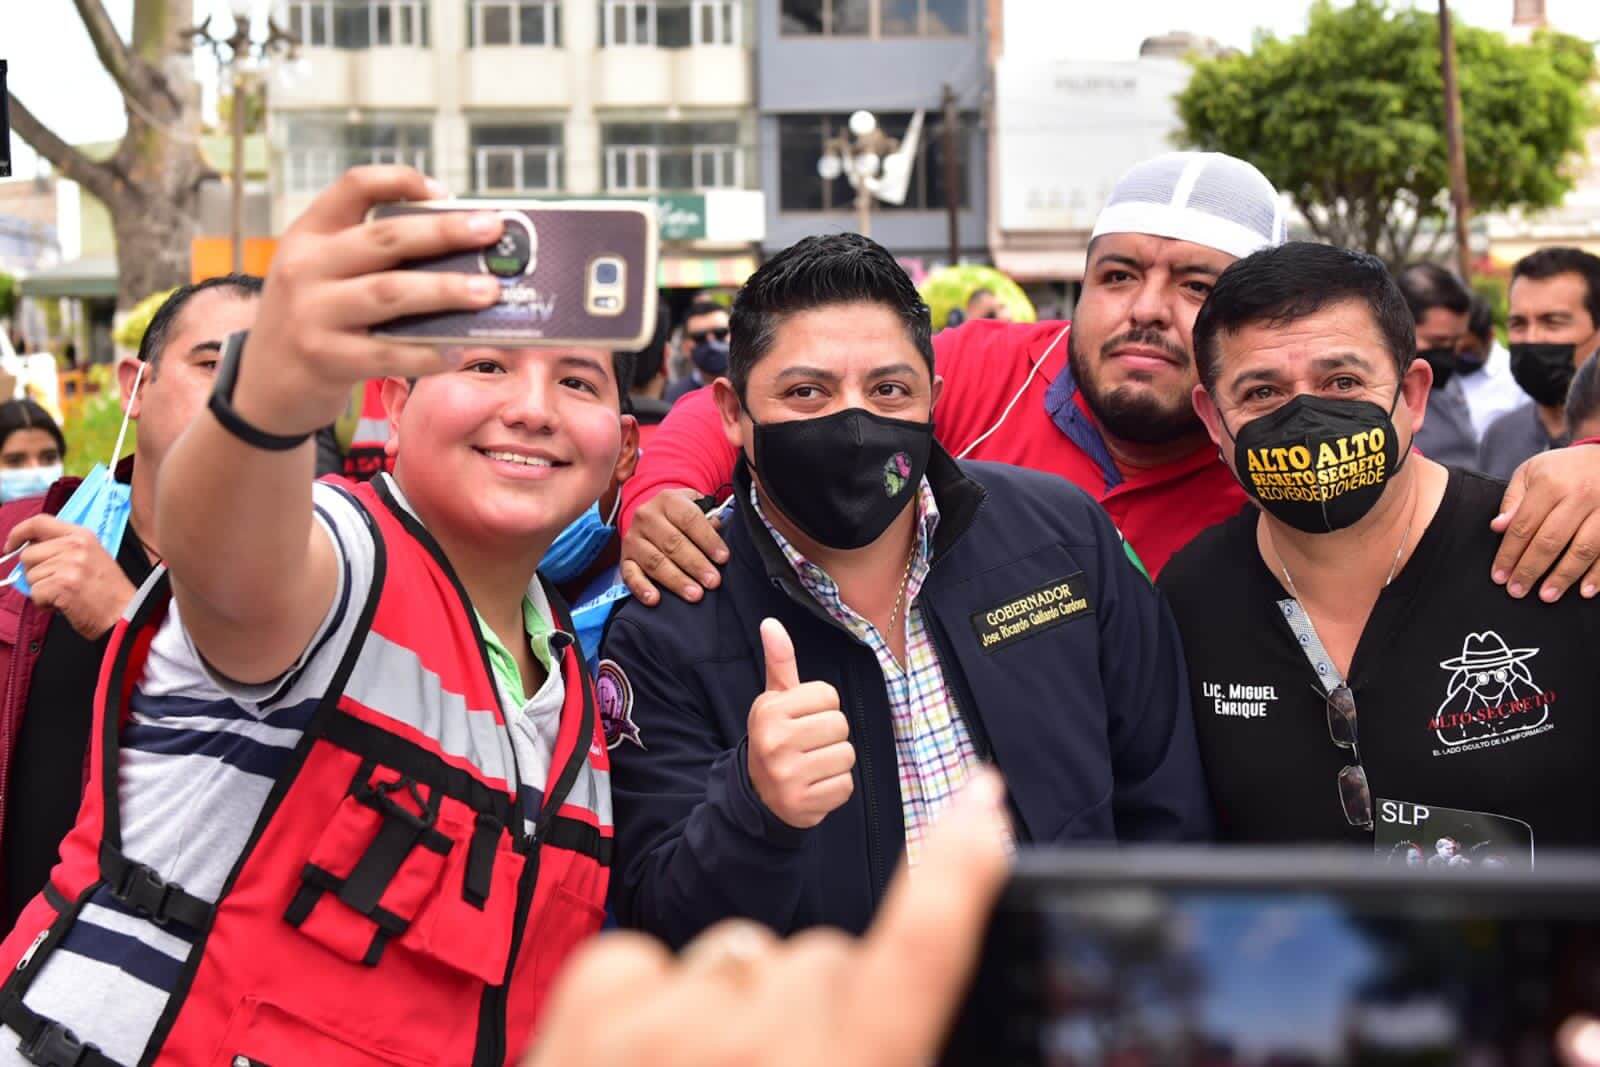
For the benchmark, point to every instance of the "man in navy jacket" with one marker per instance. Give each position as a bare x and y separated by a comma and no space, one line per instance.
891,619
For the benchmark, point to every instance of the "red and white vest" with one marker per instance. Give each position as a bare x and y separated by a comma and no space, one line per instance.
364,457
390,907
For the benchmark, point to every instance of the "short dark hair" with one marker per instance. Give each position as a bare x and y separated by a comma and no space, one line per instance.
704,307
1549,262
1293,281
166,317
26,415
1480,320
1426,286
647,361
840,268
1583,395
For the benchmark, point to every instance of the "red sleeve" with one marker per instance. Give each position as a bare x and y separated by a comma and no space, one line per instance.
955,352
688,450
983,363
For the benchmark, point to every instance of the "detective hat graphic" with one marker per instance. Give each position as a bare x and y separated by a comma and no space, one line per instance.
1485,652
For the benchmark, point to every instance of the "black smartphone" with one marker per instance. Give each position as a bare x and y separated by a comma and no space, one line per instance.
1229,956
572,273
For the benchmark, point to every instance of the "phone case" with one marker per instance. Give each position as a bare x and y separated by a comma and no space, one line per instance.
572,273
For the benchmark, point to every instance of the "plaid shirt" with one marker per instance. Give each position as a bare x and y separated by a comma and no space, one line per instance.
933,750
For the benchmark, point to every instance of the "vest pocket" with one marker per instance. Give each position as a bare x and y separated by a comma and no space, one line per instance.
262,1033
379,859
468,923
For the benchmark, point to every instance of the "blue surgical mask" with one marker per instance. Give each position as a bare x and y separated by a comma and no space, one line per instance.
100,504
589,617
24,482
580,544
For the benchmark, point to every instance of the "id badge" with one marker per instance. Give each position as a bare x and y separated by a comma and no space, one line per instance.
1446,839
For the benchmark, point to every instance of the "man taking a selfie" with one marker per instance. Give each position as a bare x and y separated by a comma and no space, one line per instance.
891,621
350,799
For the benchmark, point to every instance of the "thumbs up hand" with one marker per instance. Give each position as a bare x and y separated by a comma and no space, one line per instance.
799,746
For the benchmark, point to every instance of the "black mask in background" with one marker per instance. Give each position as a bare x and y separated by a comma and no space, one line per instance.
842,478
711,358
1471,363
1318,464
1443,362
1544,371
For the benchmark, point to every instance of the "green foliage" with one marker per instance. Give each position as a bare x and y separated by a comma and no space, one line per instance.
8,295
51,308
948,288
1495,289
1348,120
92,433
131,332
255,110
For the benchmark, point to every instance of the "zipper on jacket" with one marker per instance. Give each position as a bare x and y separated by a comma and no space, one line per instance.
877,869
492,1023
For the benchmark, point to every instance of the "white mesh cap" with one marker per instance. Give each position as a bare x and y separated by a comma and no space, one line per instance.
1204,197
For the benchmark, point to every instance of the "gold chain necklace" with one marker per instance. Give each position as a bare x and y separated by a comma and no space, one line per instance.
905,583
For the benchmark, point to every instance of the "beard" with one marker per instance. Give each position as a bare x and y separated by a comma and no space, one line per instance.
1132,414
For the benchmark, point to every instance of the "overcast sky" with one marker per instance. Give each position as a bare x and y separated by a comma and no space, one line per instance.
53,67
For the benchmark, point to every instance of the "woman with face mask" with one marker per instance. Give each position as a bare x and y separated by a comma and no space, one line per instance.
32,450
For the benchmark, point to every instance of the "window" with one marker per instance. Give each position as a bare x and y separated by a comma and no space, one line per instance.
801,189
322,148
627,22
670,23
922,18
532,23
716,22
880,18
516,159
652,157
360,23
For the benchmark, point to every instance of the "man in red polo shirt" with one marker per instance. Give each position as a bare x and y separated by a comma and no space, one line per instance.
1104,402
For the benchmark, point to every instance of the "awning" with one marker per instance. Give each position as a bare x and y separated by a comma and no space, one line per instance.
90,278
1056,265
704,272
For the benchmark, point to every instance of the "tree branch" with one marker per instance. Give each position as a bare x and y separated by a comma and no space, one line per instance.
97,178
113,51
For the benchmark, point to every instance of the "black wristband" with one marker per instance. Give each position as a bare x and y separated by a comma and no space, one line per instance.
221,403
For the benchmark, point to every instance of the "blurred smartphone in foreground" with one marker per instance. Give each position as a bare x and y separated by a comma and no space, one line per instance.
578,273
1221,957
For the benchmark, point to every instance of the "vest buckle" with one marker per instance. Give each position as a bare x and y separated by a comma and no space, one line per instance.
146,892
380,798
56,1046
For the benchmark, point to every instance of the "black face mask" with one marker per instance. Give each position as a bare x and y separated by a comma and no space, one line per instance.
1470,364
1443,362
1318,465
1544,371
842,478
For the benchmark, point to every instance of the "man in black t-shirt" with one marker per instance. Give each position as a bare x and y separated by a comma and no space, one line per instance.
1356,676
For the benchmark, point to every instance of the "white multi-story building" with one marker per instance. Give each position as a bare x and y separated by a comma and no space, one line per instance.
536,98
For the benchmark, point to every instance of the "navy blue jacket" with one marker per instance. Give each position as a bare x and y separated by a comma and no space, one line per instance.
1085,712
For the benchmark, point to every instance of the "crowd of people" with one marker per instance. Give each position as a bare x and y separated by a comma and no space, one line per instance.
305,757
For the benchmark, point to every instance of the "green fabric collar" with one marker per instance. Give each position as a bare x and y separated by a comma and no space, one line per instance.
539,628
